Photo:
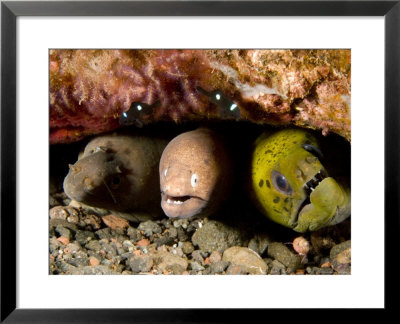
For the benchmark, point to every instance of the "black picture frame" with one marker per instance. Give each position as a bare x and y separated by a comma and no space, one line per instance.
11,10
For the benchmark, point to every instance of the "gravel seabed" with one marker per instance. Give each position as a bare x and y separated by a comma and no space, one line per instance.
235,241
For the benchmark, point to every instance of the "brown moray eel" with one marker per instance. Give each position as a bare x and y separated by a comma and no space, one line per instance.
119,173
195,174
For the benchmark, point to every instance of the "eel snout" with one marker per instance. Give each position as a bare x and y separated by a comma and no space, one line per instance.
94,178
181,206
309,187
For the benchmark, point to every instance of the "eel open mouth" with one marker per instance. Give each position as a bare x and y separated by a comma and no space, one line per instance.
177,200
181,206
309,187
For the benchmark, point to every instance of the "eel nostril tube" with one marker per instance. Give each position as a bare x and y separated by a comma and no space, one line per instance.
74,168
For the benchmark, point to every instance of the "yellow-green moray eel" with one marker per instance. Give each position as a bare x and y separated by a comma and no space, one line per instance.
291,186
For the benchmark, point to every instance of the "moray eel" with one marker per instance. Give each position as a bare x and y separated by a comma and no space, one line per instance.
119,173
291,186
195,174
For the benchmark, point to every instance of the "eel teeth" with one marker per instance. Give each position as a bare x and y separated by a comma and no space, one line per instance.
309,187
175,202
314,181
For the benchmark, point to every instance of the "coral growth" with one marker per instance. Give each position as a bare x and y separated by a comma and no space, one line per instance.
90,89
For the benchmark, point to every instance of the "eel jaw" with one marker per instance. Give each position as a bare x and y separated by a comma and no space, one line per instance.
309,187
184,206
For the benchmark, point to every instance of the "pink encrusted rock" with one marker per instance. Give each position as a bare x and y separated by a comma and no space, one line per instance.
91,89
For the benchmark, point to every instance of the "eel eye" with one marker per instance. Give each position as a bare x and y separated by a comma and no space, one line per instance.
193,180
281,183
313,150
115,182
139,107
98,149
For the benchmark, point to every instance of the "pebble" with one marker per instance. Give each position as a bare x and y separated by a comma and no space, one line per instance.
215,256
104,233
342,262
173,232
93,261
62,212
109,249
177,251
339,248
93,245
277,268
281,252
197,256
324,271
92,221
66,201
143,242
66,267
63,240
74,219
236,269
326,264
54,245
64,232
134,234
268,261
149,228
219,266
78,262
165,240
168,262
74,247
344,256
259,244
194,265
141,263
246,258
53,202
115,222
128,245
181,223
56,222
95,270
187,247
216,235
84,237
182,235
